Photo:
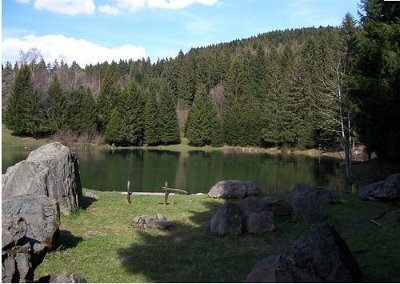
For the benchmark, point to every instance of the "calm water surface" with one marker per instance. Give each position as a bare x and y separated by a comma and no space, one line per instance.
194,171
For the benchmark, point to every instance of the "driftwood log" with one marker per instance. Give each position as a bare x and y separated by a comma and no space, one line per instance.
167,190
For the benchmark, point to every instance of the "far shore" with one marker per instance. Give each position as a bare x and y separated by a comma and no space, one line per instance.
11,141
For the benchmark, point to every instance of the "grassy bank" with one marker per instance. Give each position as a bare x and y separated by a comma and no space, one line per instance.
11,141
102,244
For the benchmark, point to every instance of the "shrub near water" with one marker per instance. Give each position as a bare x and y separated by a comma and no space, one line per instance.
102,244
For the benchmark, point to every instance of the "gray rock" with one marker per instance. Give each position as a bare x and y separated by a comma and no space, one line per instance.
384,190
14,228
51,170
30,226
322,252
308,205
228,219
157,221
252,189
63,181
36,217
234,189
260,222
25,178
278,206
320,255
66,277
278,269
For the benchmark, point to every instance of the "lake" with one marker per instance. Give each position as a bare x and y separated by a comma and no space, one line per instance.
194,171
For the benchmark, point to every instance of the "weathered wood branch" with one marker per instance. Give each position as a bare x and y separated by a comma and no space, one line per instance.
128,195
167,190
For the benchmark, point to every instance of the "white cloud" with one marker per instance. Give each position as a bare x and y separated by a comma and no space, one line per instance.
107,9
57,47
68,7
135,5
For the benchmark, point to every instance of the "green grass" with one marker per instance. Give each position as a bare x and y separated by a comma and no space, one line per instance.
102,244
11,141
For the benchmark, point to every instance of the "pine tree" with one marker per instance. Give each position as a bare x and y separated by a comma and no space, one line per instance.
115,130
151,121
378,78
24,114
168,120
56,106
133,113
108,99
202,123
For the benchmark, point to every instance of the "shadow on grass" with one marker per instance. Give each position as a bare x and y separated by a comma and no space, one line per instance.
189,253
86,201
66,240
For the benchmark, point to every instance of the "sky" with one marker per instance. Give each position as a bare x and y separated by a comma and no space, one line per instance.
92,31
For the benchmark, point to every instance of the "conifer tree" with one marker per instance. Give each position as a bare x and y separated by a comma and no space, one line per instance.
115,130
108,99
378,78
132,111
202,123
56,106
168,120
151,121
24,114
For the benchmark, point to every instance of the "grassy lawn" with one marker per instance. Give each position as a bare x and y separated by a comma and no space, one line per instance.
102,244
9,140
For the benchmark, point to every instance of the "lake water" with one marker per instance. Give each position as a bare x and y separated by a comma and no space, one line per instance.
194,171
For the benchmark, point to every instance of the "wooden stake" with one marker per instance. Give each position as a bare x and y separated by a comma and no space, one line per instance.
128,195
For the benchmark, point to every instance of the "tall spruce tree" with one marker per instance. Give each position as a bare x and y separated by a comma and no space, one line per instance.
132,111
115,130
108,99
56,106
151,119
24,114
378,78
202,123
168,120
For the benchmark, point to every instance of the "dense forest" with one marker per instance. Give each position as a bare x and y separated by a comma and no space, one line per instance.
308,87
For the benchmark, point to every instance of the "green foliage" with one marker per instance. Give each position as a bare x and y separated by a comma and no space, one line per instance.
132,111
378,78
81,112
24,114
115,130
151,120
108,99
202,123
168,120
57,106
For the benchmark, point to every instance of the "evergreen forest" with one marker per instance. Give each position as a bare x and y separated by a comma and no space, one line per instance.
326,87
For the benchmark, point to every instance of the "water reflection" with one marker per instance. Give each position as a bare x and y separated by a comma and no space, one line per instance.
194,171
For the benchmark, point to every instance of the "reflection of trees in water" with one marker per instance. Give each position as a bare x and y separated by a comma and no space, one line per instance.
198,171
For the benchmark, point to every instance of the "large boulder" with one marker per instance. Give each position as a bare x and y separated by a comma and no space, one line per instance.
30,226
228,219
260,222
52,170
278,206
234,189
384,190
37,217
320,255
308,204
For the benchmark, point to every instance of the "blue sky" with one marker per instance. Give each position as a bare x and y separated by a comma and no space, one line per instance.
91,31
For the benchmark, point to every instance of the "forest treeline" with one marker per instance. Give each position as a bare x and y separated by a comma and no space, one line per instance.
308,87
